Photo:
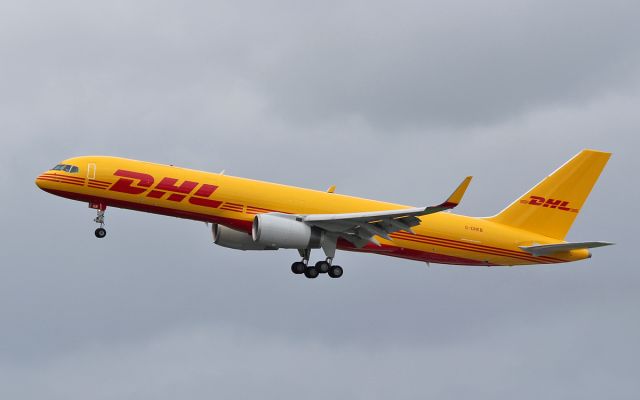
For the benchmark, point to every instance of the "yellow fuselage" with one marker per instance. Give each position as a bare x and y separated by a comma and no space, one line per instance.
231,201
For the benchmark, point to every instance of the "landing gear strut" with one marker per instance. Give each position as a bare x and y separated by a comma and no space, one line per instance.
100,209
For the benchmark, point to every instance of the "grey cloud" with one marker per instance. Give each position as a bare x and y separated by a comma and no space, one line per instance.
452,63
277,92
406,65
204,361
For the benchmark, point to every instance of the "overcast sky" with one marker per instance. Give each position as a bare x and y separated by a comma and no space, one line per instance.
389,100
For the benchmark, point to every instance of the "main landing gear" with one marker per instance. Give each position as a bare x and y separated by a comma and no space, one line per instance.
321,267
100,209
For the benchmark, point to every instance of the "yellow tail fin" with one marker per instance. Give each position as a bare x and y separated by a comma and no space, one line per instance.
553,204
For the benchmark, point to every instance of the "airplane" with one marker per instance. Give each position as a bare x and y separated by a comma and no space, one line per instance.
247,214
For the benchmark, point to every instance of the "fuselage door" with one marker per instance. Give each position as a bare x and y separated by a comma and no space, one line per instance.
91,171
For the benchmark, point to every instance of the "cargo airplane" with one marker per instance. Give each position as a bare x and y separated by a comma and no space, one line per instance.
252,215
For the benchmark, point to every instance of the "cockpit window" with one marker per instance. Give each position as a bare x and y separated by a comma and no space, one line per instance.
66,168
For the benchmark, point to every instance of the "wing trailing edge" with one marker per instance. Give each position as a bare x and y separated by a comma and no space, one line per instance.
360,228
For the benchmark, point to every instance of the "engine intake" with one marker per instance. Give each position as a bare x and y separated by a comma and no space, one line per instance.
233,239
285,232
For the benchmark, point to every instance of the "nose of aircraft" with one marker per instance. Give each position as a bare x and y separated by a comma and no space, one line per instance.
39,181
63,176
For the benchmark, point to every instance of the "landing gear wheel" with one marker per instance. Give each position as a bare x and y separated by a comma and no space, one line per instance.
311,272
100,233
335,271
323,267
298,267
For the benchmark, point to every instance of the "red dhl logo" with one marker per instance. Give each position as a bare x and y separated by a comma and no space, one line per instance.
549,203
137,183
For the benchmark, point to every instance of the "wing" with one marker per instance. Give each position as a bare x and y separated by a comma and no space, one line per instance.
360,228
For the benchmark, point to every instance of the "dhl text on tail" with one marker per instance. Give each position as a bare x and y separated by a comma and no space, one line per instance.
253,215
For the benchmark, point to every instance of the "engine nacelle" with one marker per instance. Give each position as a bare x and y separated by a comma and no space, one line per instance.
285,232
230,238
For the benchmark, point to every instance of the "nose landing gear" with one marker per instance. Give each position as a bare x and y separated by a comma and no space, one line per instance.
100,209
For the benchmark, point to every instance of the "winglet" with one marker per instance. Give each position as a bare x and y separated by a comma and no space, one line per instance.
456,196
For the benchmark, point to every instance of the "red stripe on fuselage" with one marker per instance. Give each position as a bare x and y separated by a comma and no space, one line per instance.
73,178
455,246
233,223
256,210
57,180
513,252
474,247
412,254
482,246
62,177
237,209
243,225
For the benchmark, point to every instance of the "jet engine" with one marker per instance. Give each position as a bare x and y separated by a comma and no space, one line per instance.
284,231
233,239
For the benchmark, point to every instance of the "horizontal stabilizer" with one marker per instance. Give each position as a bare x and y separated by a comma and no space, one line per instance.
546,249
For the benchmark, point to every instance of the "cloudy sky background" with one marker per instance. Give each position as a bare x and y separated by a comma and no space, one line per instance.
389,100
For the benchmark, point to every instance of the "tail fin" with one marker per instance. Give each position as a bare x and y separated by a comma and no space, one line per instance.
553,204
